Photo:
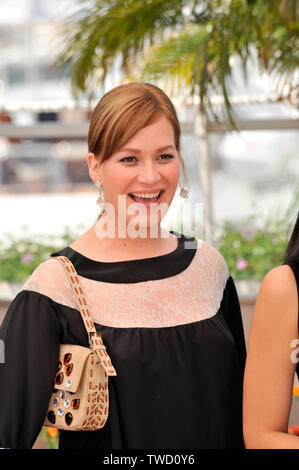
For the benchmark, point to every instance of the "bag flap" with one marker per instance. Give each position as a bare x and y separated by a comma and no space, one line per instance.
72,359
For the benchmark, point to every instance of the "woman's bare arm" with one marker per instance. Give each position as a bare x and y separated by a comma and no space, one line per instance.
269,371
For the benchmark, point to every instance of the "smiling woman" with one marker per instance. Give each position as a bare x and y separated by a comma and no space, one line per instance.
144,181
140,172
165,306
131,128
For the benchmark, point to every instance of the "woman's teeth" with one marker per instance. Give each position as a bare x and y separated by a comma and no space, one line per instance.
145,196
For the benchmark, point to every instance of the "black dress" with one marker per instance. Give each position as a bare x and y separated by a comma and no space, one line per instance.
173,329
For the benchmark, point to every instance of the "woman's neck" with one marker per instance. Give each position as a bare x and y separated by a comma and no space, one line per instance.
119,249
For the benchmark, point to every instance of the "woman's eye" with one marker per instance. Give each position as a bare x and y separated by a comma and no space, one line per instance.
168,157
127,159
131,159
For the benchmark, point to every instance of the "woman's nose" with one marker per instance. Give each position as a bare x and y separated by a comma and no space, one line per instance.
149,173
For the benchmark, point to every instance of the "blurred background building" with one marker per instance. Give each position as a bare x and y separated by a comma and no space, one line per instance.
29,33
44,180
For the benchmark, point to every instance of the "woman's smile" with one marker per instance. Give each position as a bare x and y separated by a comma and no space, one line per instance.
147,198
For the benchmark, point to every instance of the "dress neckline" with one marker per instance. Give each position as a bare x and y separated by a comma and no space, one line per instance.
153,258
136,270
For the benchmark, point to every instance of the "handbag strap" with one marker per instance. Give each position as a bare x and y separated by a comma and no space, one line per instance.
95,339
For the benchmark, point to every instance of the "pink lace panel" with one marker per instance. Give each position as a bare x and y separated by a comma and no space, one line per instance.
192,295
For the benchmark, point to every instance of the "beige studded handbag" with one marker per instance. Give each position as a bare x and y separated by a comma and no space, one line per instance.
80,397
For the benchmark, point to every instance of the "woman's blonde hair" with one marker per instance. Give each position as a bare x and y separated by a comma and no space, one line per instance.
125,110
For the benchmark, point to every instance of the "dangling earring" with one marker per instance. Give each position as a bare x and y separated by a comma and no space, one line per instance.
101,199
99,186
184,192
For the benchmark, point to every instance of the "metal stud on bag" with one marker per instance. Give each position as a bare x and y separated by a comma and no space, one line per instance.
80,399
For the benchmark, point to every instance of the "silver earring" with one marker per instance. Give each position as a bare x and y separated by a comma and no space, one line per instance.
101,198
184,192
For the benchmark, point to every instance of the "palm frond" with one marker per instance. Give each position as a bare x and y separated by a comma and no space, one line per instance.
109,28
188,62
192,52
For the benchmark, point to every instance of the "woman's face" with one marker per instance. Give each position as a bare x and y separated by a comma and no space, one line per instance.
148,164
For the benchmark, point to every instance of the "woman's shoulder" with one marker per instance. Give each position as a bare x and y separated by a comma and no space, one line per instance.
210,255
47,278
279,281
278,291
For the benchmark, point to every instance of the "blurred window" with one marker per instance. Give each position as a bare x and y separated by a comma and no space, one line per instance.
46,73
16,75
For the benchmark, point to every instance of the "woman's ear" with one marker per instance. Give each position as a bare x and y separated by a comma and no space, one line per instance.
93,167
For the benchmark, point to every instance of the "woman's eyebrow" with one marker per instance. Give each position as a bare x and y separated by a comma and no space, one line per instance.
161,149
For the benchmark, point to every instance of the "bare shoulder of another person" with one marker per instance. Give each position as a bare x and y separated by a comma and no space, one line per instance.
280,283
278,296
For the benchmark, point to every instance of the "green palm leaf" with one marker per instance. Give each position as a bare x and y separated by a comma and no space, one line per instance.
182,43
